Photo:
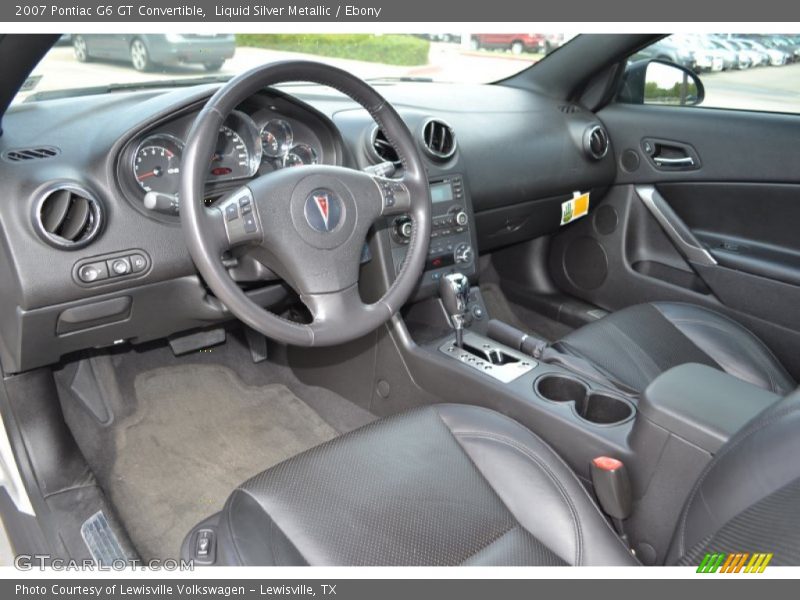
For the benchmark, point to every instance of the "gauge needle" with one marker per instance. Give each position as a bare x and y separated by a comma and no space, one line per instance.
146,175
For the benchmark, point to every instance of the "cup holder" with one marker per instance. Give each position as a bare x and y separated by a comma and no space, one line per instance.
595,407
561,389
603,409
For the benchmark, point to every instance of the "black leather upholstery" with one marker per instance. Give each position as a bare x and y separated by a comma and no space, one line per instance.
440,485
748,498
635,345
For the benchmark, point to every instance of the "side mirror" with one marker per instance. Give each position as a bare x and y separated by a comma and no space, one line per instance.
660,82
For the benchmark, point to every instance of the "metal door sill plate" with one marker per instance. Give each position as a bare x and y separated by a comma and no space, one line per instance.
505,373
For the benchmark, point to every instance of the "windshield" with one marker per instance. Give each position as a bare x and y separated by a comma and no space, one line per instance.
103,61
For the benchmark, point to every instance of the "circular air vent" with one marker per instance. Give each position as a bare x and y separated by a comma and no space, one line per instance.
380,147
438,139
67,216
595,142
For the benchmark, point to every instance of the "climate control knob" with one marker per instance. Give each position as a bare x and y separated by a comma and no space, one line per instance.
462,254
461,218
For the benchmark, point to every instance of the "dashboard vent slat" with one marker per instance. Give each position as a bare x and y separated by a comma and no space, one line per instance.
438,139
23,154
54,212
382,149
77,221
68,216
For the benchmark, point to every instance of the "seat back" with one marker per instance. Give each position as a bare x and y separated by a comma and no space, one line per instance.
748,497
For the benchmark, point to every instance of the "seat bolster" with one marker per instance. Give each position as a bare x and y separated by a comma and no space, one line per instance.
731,345
758,461
539,489
253,534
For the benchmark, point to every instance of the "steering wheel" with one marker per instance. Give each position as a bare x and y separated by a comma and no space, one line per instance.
308,224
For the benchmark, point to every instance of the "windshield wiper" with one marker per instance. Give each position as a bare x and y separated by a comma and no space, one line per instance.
117,87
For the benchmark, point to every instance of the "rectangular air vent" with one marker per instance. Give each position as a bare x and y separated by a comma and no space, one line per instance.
21,154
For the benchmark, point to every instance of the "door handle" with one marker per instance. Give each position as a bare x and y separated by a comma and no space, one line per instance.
670,155
684,161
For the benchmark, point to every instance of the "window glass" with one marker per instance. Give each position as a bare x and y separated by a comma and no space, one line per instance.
739,71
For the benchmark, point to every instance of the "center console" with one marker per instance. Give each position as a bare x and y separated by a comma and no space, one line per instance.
452,243
663,437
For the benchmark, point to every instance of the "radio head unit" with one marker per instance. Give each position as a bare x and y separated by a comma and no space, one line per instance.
452,242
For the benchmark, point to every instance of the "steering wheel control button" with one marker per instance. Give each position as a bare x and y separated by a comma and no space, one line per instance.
394,193
244,229
138,263
323,210
250,225
93,272
119,266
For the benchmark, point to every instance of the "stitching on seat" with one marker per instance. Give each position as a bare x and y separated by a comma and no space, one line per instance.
634,345
571,473
717,459
559,486
273,525
227,515
758,359
524,430
490,542
714,313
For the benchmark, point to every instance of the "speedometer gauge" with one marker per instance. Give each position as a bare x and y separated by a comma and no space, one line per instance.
276,138
231,158
156,164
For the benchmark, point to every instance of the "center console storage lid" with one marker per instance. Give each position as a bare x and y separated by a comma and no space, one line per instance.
702,405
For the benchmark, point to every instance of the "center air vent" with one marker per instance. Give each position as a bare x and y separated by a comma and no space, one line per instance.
595,142
381,147
68,216
438,139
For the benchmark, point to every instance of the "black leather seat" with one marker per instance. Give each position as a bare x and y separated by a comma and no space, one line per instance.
635,345
441,485
461,485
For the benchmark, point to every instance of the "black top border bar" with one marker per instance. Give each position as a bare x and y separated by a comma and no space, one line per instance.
399,11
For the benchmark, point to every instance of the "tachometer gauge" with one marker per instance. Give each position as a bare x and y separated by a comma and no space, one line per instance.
276,138
156,164
301,154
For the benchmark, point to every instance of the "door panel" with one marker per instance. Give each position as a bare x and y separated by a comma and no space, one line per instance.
738,203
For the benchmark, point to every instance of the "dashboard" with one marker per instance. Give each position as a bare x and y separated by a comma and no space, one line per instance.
91,251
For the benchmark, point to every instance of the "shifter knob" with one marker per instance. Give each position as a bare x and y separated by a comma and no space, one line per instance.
454,292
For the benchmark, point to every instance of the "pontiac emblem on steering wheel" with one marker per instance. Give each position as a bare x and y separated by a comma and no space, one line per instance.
323,210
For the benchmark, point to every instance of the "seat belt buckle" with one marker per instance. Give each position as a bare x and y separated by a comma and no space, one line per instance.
613,490
612,486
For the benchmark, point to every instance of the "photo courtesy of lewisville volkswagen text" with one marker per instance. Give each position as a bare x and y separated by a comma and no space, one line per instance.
322,285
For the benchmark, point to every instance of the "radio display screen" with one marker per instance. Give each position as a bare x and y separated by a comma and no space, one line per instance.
441,192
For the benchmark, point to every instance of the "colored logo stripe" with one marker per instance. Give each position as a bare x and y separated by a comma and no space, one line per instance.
734,563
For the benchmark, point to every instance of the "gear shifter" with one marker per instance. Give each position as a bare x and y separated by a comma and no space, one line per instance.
454,292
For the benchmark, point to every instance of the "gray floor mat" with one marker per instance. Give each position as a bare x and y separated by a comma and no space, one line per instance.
197,432
520,317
